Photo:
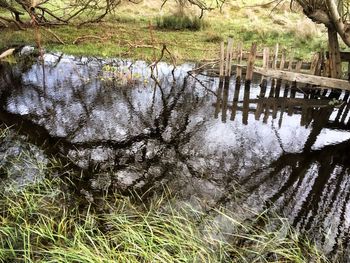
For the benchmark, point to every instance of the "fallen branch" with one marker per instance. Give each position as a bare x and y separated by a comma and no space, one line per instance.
7,53
12,21
78,39
54,35
142,46
213,63
3,24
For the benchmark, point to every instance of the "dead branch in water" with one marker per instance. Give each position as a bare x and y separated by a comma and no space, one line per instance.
164,49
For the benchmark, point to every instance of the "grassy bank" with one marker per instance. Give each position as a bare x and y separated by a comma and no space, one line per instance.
42,224
134,34
53,220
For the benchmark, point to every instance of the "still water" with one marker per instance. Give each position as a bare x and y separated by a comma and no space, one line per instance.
131,129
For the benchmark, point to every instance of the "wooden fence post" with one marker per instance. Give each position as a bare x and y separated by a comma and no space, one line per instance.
263,84
248,79
227,78
239,57
221,80
250,63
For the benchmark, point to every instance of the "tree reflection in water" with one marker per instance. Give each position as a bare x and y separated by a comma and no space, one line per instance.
125,131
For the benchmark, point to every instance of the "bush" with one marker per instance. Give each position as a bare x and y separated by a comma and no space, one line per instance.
180,22
214,37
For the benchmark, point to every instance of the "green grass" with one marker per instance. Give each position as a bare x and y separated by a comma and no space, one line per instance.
41,224
38,228
49,220
134,34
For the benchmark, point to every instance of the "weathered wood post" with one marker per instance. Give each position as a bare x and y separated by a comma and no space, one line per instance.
281,67
274,66
266,111
287,85
284,106
304,115
293,89
221,80
342,107
279,84
314,70
248,80
345,113
228,66
263,84
239,57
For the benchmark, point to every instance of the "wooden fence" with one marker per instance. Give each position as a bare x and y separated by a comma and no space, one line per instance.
278,65
287,77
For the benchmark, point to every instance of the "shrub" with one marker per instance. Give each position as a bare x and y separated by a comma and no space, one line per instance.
180,22
214,37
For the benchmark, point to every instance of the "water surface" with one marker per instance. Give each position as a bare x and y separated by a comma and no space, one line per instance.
286,150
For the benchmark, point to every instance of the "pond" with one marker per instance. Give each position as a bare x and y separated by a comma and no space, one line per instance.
128,126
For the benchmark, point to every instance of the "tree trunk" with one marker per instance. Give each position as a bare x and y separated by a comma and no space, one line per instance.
335,69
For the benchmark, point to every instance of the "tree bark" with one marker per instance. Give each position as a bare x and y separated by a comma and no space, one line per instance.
335,69
338,21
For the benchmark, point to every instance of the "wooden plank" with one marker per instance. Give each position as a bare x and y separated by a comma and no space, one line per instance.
266,57
304,78
344,56
263,83
266,113
235,98
341,108
221,81
283,60
304,66
246,103
222,58
290,63
274,66
345,113
293,101
227,79
296,102
229,57
275,58
319,64
250,63
314,64
298,66
281,67
225,99
239,60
